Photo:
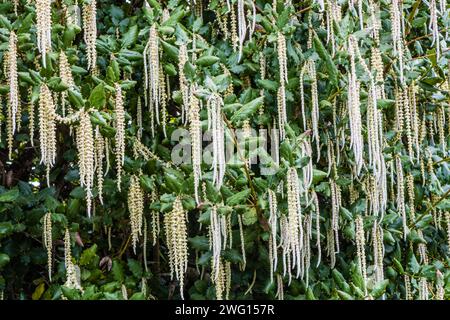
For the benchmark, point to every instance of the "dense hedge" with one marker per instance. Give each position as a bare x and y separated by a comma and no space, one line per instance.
347,201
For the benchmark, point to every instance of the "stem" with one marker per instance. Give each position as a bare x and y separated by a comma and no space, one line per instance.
443,197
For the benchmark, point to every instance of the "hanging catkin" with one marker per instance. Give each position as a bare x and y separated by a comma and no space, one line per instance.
397,34
294,218
136,209
335,208
176,233
281,95
273,221
120,133
434,27
72,277
315,201
184,89
13,83
44,27
48,244
354,110
217,242
216,125
401,194
99,146
90,32
85,146
378,251
65,73
195,130
152,73
47,129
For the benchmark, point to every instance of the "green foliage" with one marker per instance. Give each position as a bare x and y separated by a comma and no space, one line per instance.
106,264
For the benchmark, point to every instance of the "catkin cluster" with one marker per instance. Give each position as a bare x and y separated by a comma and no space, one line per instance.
176,234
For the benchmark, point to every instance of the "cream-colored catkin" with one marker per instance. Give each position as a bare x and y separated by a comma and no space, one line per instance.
164,91
156,229
184,88
176,233
244,30
441,128
99,149
423,289
120,133
90,32
152,73
44,27
48,244
360,249
136,209
284,243
13,82
411,198
242,236
281,95
440,291
408,292
294,218
65,73
215,241
315,201
30,116
139,118
219,279
354,110
47,129
273,222
310,69
86,160
401,194
195,130
234,35
378,252
408,123
217,127
281,105
447,222
433,26
72,276
280,288
397,34
335,209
